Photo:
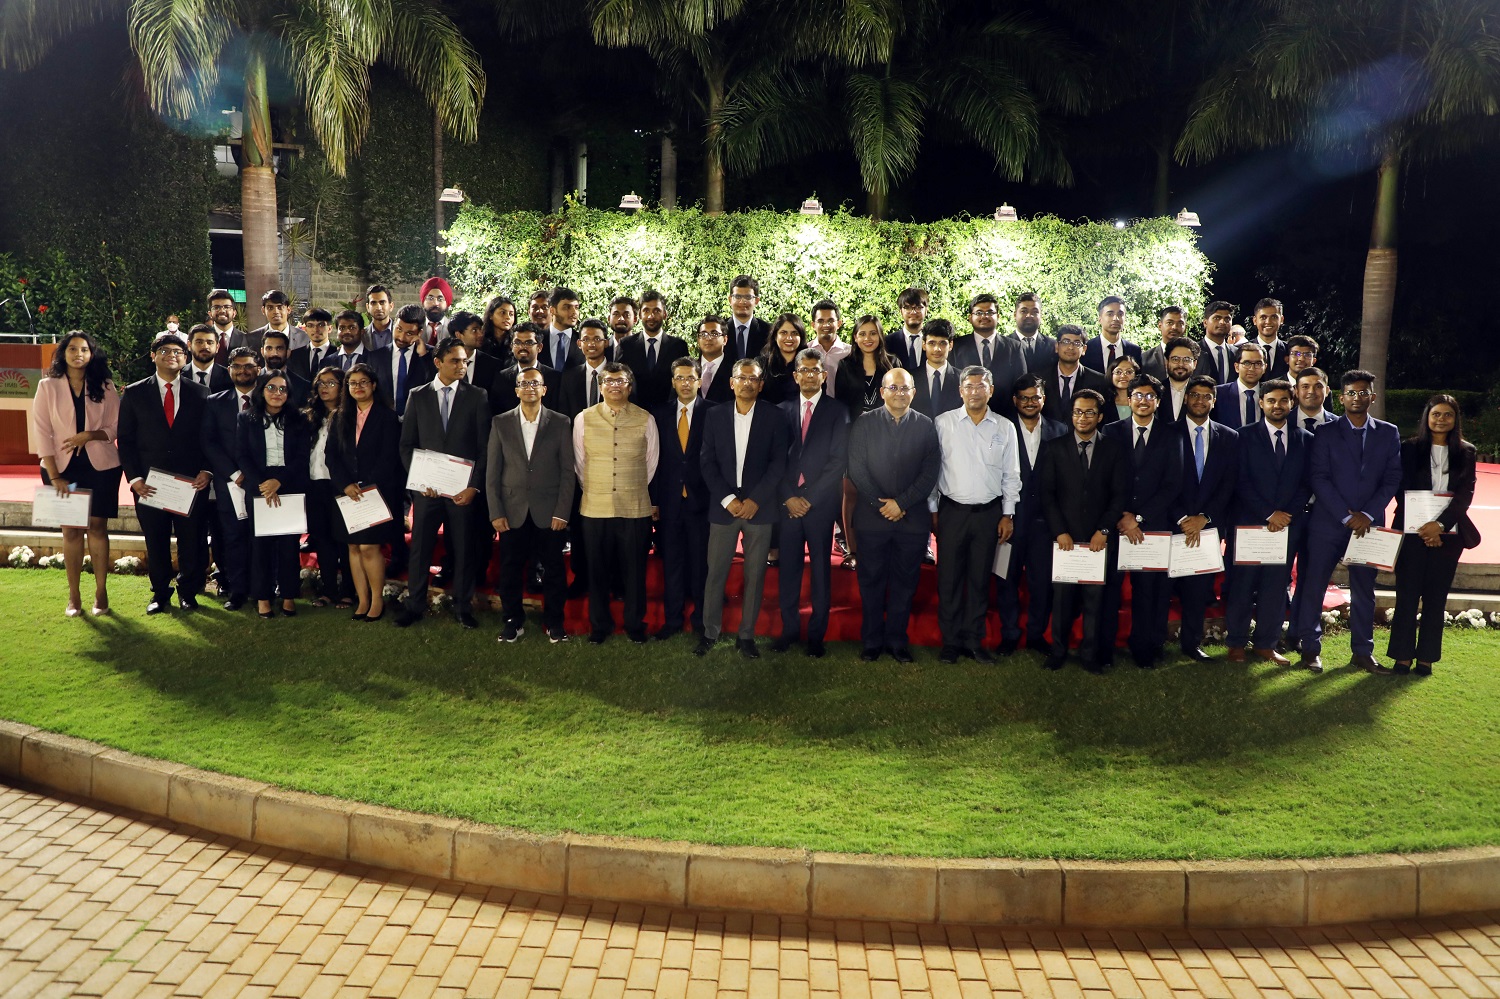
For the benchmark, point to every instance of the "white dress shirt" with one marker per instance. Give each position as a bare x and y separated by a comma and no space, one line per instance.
275,446
1031,440
529,428
980,460
742,424
317,462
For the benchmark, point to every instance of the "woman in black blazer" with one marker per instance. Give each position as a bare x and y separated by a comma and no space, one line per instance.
364,449
1437,458
779,357
272,447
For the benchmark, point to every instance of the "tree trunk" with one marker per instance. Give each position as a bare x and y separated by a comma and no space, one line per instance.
258,190
438,266
876,203
556,201
581,171
1380,280
713,165
668,174
1163,191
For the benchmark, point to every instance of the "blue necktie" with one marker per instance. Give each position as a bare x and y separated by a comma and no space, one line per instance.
562,353
1200,452
1249,406
401,385
1280,450
447,396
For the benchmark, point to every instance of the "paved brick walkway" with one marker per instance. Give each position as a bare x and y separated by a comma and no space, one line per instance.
94,903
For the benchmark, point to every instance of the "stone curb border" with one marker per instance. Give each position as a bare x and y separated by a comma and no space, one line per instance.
1074,893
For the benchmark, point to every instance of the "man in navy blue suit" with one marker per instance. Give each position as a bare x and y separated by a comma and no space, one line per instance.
218,435
1216,355
1210,471
681,501
1030,542
1355,469
1110,343
743,459
812,491
991,349
1272,491
936,381
1152,504
905,344
1238,403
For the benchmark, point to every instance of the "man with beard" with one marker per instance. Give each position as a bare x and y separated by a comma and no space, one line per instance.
905,344
379,333
1217,356
436,295
1182,361
987,348
1210,474
1031,542
622,313
650,352
218,439
277,309
222,312
1067,375
1110,343
275,354
525,342
1038,350
202,370
1172,327
307,360
351,337
406,363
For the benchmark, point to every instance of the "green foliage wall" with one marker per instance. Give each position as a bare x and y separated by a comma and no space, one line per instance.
102,208
859,263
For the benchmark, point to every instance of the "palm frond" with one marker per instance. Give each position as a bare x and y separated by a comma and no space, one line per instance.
529,20
1051,66
329,56
773,115
995,107
1461,61
428,48
885,127
178,43
29,28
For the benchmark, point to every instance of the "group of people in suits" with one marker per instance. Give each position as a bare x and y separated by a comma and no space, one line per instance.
778,441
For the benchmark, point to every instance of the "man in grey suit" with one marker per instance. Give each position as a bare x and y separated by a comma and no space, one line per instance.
451,416
530,480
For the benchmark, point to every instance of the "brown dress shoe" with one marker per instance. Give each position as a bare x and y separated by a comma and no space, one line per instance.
1271,655
1236,655
1371,666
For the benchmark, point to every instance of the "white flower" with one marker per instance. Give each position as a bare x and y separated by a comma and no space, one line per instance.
393,590
21,557
441,601
127,565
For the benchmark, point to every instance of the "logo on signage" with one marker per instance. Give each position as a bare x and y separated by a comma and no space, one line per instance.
14,383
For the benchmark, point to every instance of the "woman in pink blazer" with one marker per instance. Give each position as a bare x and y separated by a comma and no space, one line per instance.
76,418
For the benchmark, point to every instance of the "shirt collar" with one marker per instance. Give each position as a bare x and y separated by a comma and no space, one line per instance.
1272,431
802,403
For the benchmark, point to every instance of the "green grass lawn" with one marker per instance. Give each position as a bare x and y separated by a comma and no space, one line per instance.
1007,760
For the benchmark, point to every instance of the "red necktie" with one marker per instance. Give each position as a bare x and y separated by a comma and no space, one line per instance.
169,406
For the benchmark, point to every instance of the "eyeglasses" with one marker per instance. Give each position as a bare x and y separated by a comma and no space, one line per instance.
592,339
1143,397
245,366
711,335
1358,394
1070,343
1252,364
354,383
897,389
745,378
533,384
275,390
615,382
1200,396
1033,397
328,383
1301,354
518,342
984,312
1085,414
684,379
977,386
171,352
741,297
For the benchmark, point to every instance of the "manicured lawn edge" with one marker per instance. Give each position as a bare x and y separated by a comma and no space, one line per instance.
1074,893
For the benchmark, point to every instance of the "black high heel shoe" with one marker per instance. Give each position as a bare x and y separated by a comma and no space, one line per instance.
372,618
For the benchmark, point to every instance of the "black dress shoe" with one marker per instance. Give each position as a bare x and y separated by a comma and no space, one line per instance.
979,655
666,633
636,637
869,655
598,637
235,602
704,645
1197,655
1054,662
159,606
1009,646
187,603
928,557
1144,662
748,648
815,650
1422,669
902,654
406,618
466,619
948,656
1094,667
782,644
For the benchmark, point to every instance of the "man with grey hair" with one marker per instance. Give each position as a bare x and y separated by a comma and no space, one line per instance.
978,486
743,456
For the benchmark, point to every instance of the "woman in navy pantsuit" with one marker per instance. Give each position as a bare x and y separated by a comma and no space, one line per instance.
273,445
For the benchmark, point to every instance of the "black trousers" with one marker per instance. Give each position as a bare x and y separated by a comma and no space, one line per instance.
1031,556
1150,605
158,527
326,534
275,570
1423,576
518,547
617,556
427,515
890,565
813,531
683,544
966,538
1067,598
233,536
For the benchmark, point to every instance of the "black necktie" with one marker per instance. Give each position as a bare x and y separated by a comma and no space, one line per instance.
317,354
1140,439
651,354
593,387
202,378
1249,406
1083,453
743,344
986,361
937,385
1280,450
1067,386
1309,422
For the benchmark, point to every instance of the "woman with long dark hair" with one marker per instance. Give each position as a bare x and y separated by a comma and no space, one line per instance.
499,319
1121,372
778,358
365,450
272,448
76,418
1436,459
325,528
857,385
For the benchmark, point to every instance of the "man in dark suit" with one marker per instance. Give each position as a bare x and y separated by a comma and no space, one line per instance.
622,314
274,351
1272,489
349,334
220,419
746,334
714,364
1086,479
936,381
986,347
1172,327
1268,318
406,363
222,313
277,308
202,370
812,491
1110,343
1067,376
743,458
380,332
161,417
650,353
894,460
1355,469
1210,472
558,343
1152,504
483,368
1217,355
579,387
1030,542
1038,350
1301,354
450,416
525,341
1311,390
530,481
680,498
1238,403
905,344
319,351
1181,362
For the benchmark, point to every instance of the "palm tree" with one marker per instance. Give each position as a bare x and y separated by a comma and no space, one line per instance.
1386,82
326,46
